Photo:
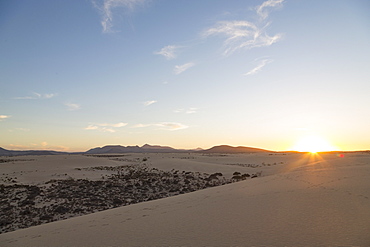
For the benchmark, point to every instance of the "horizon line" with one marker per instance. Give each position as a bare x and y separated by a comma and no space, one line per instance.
190,149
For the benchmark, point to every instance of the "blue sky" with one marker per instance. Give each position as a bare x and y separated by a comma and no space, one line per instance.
81,74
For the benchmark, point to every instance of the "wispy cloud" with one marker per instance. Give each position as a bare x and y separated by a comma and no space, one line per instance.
181,68
259,67
105,127
150,102
141,125
164,125
172,126
106,8
38,96
49,95
2,117
102,129
117,125
91,127
241,34
72,106
169,52
187,111
264,9
108,130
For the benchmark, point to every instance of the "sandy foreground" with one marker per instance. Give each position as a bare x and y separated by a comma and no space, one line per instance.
299,200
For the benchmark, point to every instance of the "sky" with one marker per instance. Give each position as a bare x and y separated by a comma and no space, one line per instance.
75,75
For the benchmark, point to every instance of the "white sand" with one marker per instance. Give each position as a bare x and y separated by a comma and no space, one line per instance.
302,202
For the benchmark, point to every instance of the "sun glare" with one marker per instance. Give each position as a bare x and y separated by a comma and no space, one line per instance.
313,144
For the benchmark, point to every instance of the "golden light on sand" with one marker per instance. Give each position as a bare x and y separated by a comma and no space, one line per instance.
313,144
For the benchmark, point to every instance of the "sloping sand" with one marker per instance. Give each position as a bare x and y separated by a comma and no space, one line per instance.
306,201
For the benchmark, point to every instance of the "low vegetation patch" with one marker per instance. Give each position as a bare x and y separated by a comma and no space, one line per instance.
29,205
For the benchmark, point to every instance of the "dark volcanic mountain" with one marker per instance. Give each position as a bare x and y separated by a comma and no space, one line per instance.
230,149
147,146
114,149
4,152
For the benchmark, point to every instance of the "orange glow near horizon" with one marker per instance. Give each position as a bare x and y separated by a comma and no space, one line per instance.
313,144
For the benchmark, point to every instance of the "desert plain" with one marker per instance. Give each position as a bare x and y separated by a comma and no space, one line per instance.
189,199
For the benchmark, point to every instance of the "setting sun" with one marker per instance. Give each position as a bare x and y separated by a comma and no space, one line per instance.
313,144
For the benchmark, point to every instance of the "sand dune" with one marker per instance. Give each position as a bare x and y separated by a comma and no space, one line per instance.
298,201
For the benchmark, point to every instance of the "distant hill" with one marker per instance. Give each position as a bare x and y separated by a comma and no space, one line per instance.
134,149
5,152
230,149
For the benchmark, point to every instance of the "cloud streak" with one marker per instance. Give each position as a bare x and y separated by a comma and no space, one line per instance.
263,9
107,7
91,127
38,96
169,52
105,127
259,67
117,125
187,111
141,125
171,126
72,106
241,34
150,102
3,117
181,68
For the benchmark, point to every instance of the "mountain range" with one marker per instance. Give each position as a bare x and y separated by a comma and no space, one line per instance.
109,149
